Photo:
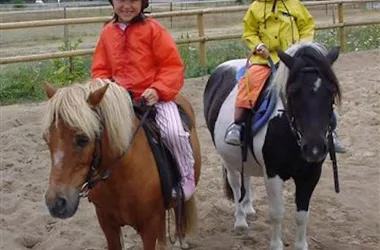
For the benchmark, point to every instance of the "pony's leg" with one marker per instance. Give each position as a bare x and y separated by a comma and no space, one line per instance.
247,201
153,230
162,236
111,230
274,188
304,189
234,180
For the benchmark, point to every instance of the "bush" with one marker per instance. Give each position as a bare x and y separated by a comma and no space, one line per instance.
18,3
23,82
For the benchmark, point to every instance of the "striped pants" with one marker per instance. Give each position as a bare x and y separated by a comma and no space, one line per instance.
177,141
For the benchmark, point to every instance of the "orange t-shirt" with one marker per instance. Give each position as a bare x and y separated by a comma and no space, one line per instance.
142,56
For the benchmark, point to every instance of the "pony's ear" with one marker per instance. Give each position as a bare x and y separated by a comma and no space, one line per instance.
333,54
96,96
49,90
285,58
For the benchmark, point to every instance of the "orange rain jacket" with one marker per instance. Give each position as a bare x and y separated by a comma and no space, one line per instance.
142,56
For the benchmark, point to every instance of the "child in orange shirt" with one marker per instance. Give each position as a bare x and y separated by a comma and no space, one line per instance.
140,55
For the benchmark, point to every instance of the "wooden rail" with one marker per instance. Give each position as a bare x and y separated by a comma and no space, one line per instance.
201,39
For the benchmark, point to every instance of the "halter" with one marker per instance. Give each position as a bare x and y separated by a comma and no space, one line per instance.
96,158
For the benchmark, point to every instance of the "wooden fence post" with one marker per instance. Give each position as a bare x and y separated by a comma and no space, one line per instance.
171,18
65,28
341,28
202,43
66,41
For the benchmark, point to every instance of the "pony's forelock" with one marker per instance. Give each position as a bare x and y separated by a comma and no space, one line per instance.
69,105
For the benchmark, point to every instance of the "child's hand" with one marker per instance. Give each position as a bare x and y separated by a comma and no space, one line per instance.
151,97
262,51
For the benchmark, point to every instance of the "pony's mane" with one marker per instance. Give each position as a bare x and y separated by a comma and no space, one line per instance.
69,104
315,55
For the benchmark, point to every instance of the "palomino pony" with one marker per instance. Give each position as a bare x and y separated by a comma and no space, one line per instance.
293,143
97,146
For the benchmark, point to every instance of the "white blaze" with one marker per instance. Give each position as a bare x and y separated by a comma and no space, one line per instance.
57,158
317,84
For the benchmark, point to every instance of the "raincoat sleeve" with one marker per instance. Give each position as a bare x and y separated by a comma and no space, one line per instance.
170,76
100,66
250,30
305,24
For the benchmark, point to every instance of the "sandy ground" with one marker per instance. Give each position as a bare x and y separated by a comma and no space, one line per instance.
345,221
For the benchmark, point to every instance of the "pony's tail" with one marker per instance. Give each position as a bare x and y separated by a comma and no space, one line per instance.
227,188
190,217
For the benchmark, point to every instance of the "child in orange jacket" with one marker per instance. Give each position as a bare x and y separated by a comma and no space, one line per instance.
140,55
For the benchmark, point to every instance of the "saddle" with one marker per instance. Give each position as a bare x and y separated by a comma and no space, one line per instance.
167,166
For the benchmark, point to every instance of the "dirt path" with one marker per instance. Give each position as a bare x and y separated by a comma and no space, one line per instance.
349,220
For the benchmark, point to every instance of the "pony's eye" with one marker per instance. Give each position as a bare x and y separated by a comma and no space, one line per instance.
81,141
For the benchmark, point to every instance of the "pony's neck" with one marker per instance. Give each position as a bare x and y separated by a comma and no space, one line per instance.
133,168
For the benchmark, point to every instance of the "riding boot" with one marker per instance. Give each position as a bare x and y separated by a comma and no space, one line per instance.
232,136
339,148
338,145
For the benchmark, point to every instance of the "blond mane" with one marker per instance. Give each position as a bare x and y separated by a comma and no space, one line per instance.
70,106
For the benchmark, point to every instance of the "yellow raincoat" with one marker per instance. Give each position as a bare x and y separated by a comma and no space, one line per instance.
287,23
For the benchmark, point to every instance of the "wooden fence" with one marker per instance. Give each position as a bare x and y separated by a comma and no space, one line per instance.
201,39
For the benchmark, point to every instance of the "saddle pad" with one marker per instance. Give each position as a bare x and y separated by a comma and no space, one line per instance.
264,111
264,106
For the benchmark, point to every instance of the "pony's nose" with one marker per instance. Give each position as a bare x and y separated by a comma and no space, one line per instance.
314,153
60,205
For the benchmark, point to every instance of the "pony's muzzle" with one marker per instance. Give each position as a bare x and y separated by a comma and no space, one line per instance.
61,206
314,152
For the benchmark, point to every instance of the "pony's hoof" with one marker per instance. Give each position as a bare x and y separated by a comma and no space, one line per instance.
302,246
241,226
249,211
276,245
184,244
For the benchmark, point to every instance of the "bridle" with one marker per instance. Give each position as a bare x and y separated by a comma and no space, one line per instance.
288,110
298,135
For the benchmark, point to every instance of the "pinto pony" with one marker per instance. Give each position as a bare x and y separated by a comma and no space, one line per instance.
293,143
95,124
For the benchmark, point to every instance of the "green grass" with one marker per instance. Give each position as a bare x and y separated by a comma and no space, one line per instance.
23,82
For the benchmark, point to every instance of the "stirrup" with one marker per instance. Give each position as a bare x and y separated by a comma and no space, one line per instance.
233,133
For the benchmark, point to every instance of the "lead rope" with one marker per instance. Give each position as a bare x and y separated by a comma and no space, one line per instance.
333,159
